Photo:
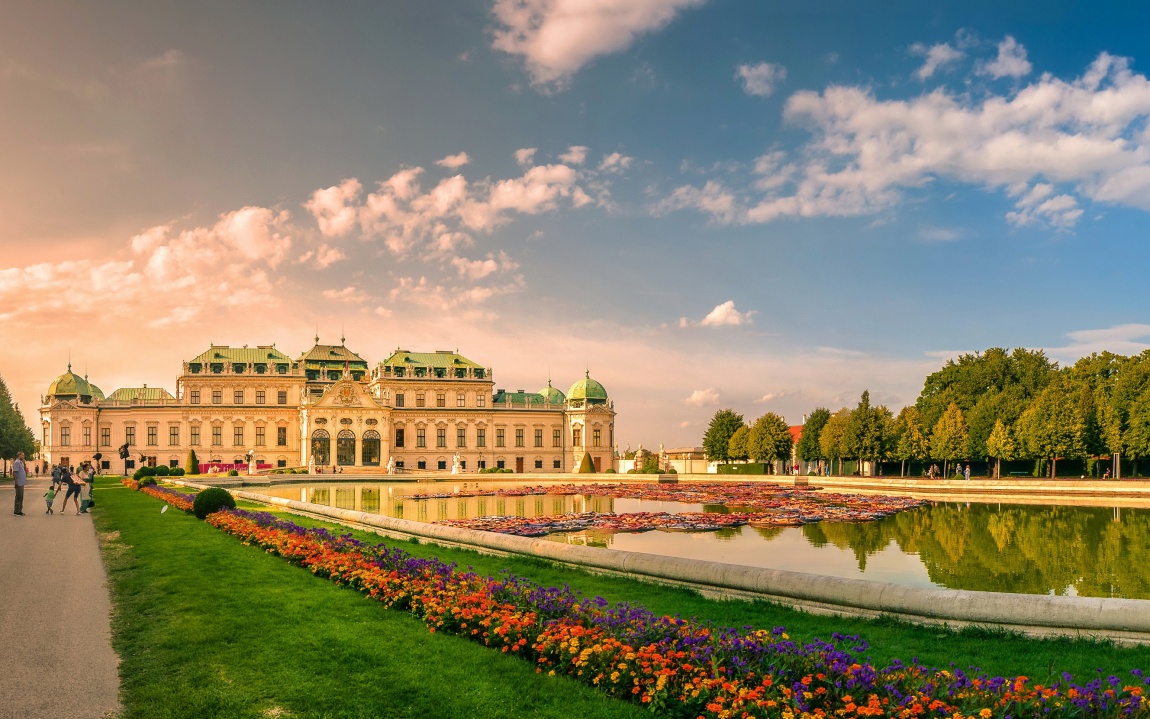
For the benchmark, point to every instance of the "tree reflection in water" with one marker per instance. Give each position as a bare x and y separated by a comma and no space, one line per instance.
1089,551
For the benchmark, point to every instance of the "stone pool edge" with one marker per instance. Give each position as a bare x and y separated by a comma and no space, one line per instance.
1121,620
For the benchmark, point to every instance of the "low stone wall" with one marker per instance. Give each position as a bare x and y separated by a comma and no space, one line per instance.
1125,620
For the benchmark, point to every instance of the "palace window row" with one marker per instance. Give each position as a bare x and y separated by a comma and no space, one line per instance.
237,396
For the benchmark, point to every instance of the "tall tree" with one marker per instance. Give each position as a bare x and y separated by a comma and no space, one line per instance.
809,449
832,439
15,436
910,438
1051,427
717,439
769,440
737,448
949,437
1000,445
1136,438
868,433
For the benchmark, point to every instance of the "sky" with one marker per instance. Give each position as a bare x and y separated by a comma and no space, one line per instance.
766,206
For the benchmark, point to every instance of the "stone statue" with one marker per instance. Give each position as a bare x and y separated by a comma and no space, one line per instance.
456,467
391,465
311,466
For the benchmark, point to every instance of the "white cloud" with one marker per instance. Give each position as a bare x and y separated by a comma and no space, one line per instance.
453,162
326,256
556,38
615,162
332,207
1085,138
761,79
766,398
347,294
1126,339
170,59
703,398
524,156
724,315
575,155
937,56
1011,61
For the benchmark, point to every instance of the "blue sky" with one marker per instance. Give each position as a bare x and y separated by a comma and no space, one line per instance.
708,203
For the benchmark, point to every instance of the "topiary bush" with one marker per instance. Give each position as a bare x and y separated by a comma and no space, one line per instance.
176,472
212,500
144,472
163,471
146,481
233,473
609,470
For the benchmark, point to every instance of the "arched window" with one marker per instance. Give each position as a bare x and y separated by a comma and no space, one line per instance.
370,452
321,447
345,448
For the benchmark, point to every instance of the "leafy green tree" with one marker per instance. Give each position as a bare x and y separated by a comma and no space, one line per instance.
15,436
808,448
717,439
1136,439
910,439
737,448
1000,445
948,440
1051,427
832,440
769,440
869,431
192,466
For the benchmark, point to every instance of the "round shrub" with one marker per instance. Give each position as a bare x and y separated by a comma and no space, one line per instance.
163,470
609,470
211,500
233,473
145,481
176,472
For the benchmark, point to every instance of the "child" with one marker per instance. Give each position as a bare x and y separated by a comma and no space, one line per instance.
49,497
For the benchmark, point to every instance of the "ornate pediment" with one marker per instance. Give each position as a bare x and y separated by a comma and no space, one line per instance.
346,393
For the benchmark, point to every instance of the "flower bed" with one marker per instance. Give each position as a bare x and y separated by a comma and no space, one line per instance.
677,667
179,500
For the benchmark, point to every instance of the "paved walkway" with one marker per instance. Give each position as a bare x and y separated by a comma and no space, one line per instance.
56,657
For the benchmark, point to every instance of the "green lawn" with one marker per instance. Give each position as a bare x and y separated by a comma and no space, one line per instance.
206,626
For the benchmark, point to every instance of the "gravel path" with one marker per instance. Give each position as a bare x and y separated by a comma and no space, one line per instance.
56,657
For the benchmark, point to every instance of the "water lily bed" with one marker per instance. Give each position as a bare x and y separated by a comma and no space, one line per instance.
756,504
677,667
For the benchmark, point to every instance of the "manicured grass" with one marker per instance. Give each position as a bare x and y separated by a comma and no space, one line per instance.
208,627
996,652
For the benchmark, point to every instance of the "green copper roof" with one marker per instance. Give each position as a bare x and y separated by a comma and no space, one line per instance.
326,355
97,393
587,389
69,384
127,394
403,358
503,396
220,354
552,395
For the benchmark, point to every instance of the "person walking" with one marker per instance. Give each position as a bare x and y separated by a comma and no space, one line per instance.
966,473
20,473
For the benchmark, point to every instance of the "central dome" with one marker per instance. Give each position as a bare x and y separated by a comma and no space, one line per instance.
552,395
70,384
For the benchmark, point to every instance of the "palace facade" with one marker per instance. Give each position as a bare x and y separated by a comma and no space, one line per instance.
414,411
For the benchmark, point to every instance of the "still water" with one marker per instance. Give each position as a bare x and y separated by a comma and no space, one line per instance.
1086,551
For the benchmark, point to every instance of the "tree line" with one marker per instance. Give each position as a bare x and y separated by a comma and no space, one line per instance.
986,406
15,436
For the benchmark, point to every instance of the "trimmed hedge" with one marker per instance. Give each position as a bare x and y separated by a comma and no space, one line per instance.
212,499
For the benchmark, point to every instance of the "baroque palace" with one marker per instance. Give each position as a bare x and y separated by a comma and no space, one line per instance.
431,411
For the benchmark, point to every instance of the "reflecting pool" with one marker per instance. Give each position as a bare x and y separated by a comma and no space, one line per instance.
1029,549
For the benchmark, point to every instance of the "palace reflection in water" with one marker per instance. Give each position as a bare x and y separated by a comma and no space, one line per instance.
1085,551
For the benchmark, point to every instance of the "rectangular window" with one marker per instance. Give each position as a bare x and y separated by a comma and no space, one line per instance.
399,399
538,464
238,396
480,437
441,399
421,464
399,437
441,464
420,437
130,435
237,436
555,464
281,463
500,464
105,464
194,396
441,437
577,437
217,396
419,402
260,440
519,437
460,400
461,437
217,436
105,436
282,396
500,440
195,435
556,437
480,400
173,463
87,436
65,436
259,396
153,435
173,436
596,437
538,438
281,436
482,464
